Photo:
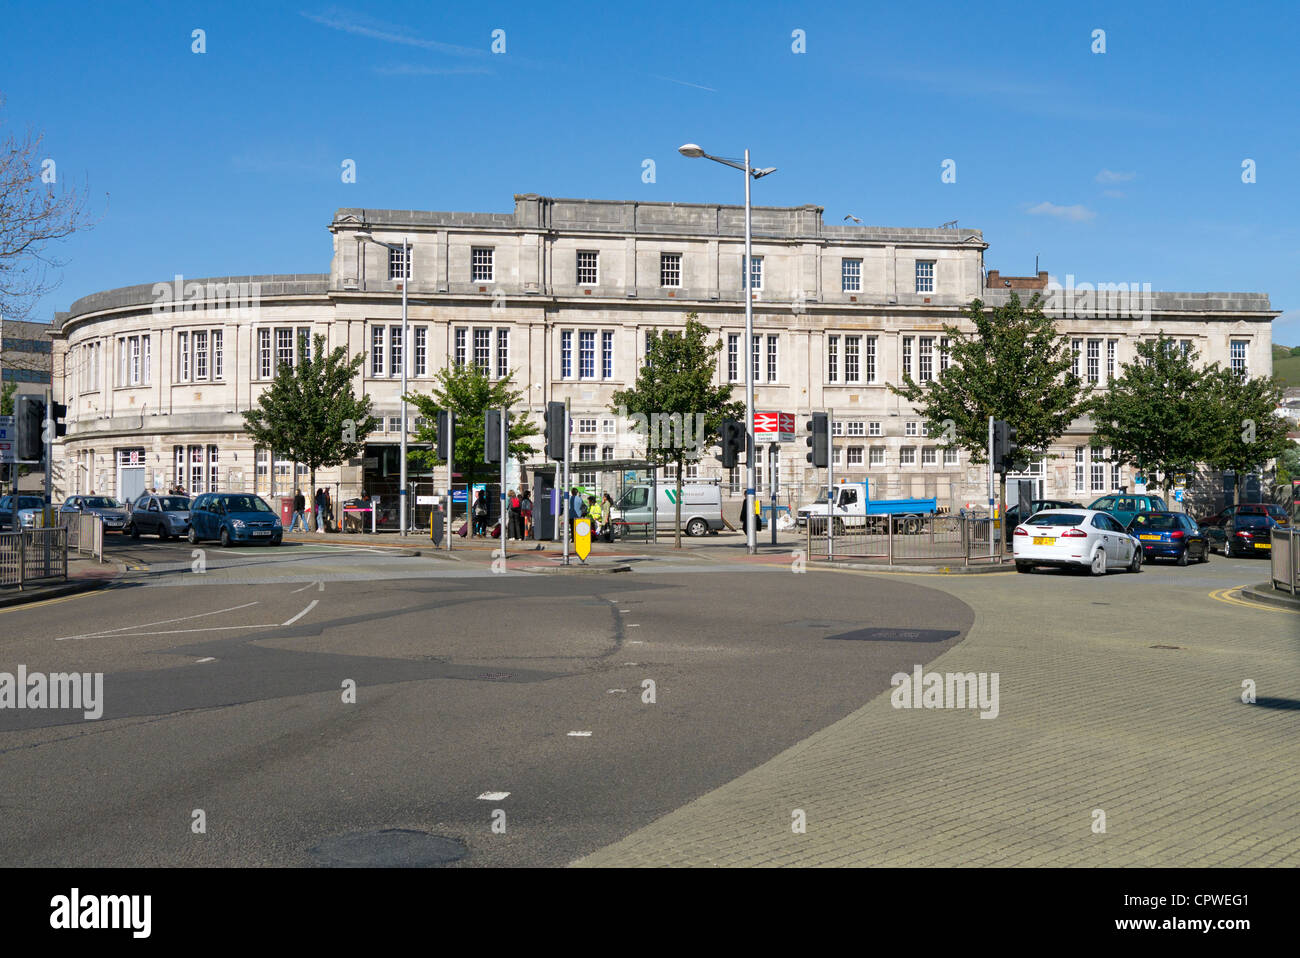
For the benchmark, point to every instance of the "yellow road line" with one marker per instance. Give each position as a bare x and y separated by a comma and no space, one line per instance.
1223,595
36,605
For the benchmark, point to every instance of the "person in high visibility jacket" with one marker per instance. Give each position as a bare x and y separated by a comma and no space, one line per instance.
595,512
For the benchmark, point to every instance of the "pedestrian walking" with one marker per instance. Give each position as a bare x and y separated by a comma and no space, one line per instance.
319,503
577,508
299,512
515,529
480,513
607,513
597,516
526,510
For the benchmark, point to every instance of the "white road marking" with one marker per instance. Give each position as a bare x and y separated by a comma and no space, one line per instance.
634,625
322,586
143,625
208,659
303,612
635,642
303,589
493,796
612,691
625,610
581,734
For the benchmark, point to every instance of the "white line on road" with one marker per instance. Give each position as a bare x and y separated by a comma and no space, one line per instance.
581,734
303,612
612,691
143,625
304,588
635,642
208,659
493,796
634,625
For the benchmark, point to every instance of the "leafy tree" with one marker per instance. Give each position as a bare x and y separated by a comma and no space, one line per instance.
1244,433
469,392
1295,350
677,380
1288,463
7,398
310,411
1159,413
1015,366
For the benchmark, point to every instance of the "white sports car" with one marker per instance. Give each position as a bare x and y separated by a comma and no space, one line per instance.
1075,537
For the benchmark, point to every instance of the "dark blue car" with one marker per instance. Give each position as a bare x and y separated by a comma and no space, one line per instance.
1170,535
234,517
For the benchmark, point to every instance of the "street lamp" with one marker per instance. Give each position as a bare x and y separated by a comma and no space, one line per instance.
693,151
405,247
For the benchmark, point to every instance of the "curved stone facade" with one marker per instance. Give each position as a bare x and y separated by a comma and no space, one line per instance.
561,294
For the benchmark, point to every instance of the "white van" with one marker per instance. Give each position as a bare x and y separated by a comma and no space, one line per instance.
701,506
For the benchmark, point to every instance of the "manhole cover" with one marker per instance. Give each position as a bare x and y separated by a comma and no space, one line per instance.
388,848
897,635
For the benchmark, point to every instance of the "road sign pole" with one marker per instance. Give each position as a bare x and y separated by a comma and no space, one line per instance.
830,484
989,486
451,476
774,454
505,501
564,487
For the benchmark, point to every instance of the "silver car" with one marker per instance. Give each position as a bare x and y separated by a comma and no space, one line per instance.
29,509
106,507
158,515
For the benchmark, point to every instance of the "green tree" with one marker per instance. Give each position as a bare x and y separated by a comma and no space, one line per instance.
310,411
1244,433
469,393
1158,415
7,398
675,402
1015,366
1288,463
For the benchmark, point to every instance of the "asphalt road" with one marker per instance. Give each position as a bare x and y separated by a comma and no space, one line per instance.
224,692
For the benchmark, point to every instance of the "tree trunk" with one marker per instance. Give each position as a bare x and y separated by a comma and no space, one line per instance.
311,502
677,509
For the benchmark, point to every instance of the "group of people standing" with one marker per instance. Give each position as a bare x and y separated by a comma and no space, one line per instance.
321,514
519,515
601,513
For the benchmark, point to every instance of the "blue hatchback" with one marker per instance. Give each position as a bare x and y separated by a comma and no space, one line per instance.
1170,535
234,517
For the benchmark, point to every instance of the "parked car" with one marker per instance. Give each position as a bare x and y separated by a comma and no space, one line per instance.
29,507
1013,516
106,507
233,517
1170,535
1276,512
1125,505
1247,535
163,516
1075,538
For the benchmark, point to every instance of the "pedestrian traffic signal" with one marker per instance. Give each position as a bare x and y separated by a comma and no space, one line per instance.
819,440
492,435
58,412
557,437
29,420
1006,447
733,440
442,436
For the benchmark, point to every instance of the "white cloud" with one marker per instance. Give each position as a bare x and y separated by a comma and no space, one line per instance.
1111,176
1076,213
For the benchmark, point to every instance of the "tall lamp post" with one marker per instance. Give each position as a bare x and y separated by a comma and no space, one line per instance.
405,247
746,281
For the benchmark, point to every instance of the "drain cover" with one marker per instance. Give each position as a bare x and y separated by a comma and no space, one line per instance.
897,635
388,848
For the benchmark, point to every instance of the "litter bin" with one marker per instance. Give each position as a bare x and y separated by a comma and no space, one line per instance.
437,524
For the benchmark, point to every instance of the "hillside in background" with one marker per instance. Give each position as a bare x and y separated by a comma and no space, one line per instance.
1286,364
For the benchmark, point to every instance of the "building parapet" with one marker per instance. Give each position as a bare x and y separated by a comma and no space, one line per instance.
145,294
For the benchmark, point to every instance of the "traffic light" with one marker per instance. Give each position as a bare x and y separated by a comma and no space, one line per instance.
442,441
819,440
59,412
29,420
1006,448
557,439
492,436
733,441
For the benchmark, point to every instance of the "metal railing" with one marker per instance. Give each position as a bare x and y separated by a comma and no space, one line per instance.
907,539
85,533
32,555
1286,559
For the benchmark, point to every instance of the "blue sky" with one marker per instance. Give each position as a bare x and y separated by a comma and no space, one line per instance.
1116,166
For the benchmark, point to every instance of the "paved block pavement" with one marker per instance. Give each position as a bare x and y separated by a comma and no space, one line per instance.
1093,717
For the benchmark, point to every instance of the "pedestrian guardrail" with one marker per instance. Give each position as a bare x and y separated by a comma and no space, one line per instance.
906,539
33,555
1286,559
85,534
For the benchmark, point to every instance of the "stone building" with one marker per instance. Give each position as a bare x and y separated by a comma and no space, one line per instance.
562,294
